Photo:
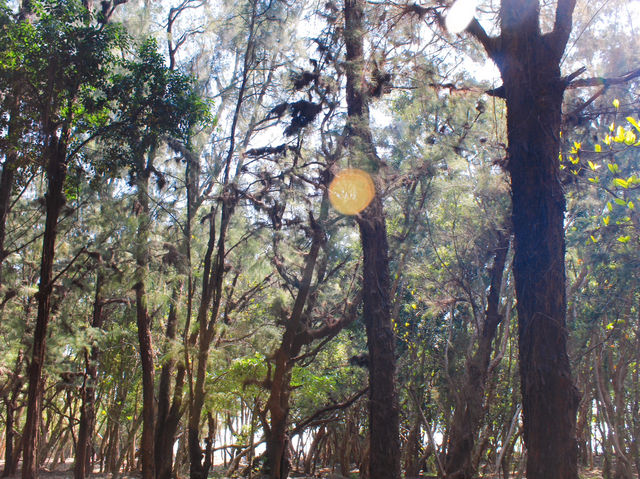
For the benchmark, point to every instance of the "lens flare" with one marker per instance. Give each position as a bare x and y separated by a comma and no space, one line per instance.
351,191
459,15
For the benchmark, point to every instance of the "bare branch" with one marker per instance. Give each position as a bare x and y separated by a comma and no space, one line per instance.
605,82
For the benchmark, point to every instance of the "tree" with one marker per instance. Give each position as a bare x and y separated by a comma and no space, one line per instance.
384,453
153,102
63,58
533,87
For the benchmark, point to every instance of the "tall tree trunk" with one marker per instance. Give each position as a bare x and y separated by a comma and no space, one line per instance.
143,320
533,88
56,174
84,447
468,413
211,295
384,454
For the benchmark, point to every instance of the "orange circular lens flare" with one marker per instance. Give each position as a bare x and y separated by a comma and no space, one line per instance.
351,191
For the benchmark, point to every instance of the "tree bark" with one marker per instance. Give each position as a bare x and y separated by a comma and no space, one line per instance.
384,454
529,63
56,174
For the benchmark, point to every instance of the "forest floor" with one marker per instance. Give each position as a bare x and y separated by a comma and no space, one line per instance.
65,472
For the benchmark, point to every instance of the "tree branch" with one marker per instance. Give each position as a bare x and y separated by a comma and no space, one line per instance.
605,82
490,44
343,405
562,26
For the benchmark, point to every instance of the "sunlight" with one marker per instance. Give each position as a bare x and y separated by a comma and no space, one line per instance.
351,191
459,16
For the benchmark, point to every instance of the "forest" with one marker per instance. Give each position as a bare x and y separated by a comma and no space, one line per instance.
334,239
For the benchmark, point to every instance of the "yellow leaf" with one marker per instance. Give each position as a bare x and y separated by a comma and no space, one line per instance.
616,103
598,148
635,124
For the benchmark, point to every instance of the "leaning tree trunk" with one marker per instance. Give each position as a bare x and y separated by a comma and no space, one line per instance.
384,454
56,174
467,416
529,63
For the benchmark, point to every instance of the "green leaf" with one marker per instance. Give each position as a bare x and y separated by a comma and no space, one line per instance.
613,167
594,180
609,206
606,220
631,206
620,202
594,239
624,239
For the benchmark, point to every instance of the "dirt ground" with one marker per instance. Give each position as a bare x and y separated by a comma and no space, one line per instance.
322,474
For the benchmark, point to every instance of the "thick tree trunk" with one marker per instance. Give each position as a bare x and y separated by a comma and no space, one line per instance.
84,444
56,174
533,88
384,454
550,399
384,451
278,405
468,413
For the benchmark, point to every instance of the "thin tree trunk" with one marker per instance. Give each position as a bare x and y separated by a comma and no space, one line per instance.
56,174
384,453
85,442
143,319
7,178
